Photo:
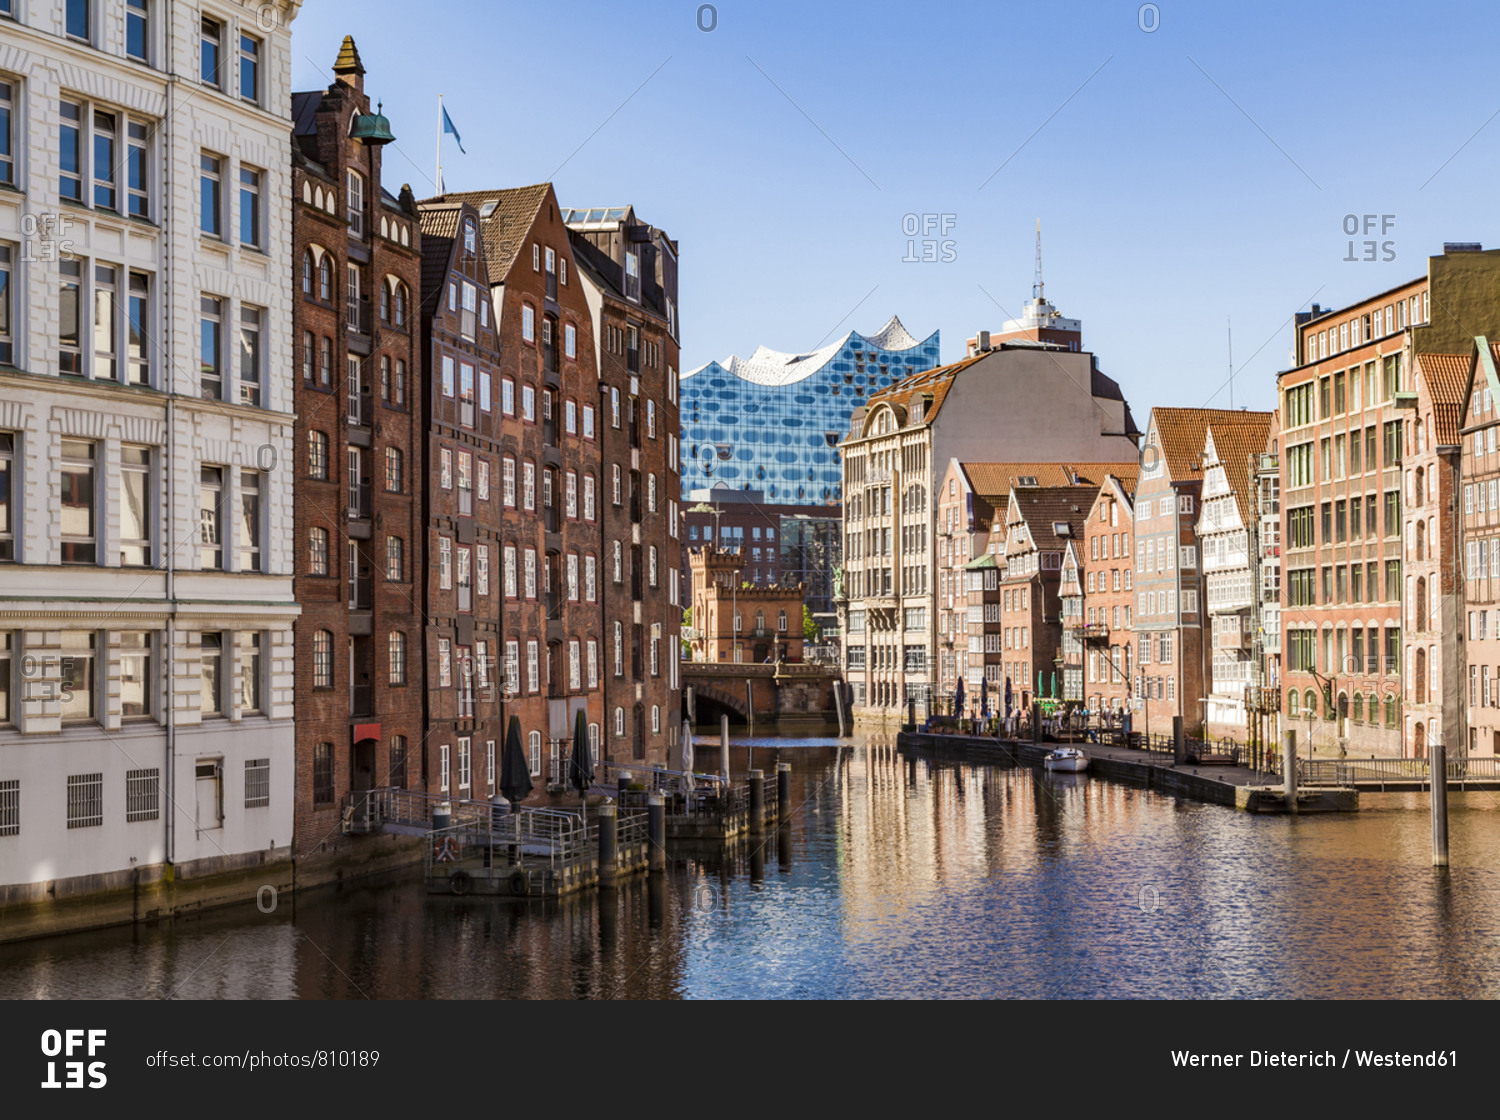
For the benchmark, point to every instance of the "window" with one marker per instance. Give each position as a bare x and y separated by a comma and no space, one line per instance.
250,673
257,783
445,563
142,795
355,201
323,774
395,560
250,356
79,544
70,317
77,19
445,664
570,418
85,791
249,68
317,551
482,570
211,668
528,324
570,343
588,497
528,403
507,396
393,470
651,418
530,573
250,503
593,664
590,580
250,207
211,40
210,197
211,348
317,455
534,751
323,659
210,518
528,486
136,509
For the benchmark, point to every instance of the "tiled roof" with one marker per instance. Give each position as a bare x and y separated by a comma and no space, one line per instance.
935,381
439,223
1236,438
505,229
1447,379
992,481
1181,436
1046,507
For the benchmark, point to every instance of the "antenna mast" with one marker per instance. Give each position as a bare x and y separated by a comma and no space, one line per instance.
1037,286
1229,329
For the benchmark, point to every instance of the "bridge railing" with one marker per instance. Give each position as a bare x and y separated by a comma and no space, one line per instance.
1342,771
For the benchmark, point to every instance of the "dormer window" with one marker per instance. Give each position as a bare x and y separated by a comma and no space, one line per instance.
471,239
632,277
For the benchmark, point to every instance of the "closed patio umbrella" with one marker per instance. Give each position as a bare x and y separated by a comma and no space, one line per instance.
958,698
1009,698
515,772
984,697
581,762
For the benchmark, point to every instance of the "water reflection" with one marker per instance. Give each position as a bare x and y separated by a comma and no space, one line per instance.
898,877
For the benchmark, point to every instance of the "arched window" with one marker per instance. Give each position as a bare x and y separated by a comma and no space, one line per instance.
1419,673
760,620
325,278
1310,704
397,657
534,752
1293,702
317,552
1357,714
1421,540
1420,604
323,659
385,303
619,722
400,299
1419,741
1419,496
656,719
307,272
781,622
1344,706
1390,711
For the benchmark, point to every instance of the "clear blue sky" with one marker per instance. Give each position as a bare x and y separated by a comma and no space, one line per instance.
1166,209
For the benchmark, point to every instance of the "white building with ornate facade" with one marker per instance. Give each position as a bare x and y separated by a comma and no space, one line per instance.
146,459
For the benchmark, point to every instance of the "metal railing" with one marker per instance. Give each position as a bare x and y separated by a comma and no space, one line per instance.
1343,772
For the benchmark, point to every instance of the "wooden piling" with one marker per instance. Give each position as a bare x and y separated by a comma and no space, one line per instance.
1289,770
757,802
656,831
608,843
783,790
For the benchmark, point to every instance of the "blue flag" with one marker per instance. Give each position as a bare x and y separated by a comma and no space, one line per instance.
448,127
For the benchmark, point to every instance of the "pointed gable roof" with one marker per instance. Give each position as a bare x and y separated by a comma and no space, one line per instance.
1445,377
439,222
1045,510
1181,432
504,225
1234,439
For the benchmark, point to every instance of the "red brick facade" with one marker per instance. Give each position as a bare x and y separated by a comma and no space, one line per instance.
356,259
460,468
1107,562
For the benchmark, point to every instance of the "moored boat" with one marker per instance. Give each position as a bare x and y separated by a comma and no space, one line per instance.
1067,760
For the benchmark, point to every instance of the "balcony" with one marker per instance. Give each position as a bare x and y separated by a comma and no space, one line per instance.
362,700
359,501
357,315
550,519
549,432
465,501
361,593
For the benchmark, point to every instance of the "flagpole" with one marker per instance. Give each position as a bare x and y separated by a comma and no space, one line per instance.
439,182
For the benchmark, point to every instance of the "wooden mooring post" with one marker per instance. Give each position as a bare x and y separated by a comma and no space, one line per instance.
783,790
656,831
757,802
609,859
1289,771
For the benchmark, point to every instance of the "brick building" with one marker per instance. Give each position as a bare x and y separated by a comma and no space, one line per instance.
1106,616
968,496
1432,697
736,623
356,255
462,543
549,515
628,268
1346,427
1040,523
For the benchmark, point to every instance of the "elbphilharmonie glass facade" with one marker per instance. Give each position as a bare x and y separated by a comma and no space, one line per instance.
772,422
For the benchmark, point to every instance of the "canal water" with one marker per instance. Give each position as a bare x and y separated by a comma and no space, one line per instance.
896,878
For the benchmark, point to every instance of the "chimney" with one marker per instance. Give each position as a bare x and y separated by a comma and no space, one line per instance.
982,343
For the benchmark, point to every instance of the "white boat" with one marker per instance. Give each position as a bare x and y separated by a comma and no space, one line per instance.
1067,760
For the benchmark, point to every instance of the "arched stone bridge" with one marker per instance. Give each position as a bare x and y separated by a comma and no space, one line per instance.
786,696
